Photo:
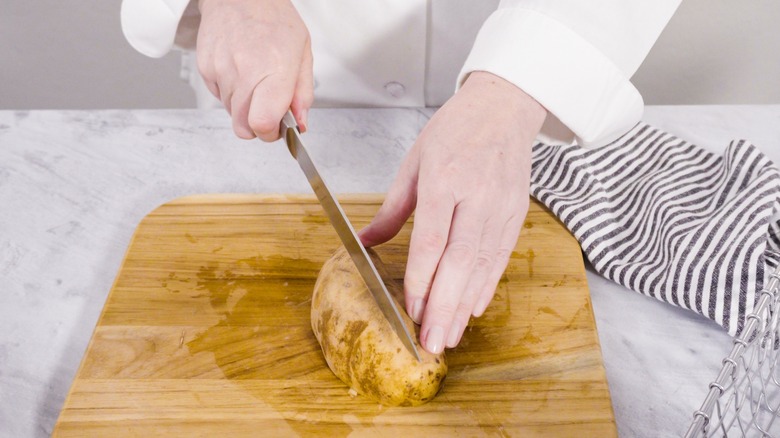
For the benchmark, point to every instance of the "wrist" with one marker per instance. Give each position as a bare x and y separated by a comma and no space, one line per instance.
506,96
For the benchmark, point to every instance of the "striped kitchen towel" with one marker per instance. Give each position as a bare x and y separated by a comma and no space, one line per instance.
668,219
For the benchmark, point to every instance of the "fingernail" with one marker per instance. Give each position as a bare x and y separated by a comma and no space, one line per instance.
434,340
454,336
304,120
480,307
417,310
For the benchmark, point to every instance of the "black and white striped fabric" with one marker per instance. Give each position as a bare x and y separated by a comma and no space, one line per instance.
668,219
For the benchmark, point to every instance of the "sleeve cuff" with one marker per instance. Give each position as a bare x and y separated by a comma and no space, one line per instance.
565,73
150,25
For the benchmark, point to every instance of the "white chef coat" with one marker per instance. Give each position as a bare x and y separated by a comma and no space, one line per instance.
574,57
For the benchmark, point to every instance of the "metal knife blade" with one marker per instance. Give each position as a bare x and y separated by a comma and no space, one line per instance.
345,231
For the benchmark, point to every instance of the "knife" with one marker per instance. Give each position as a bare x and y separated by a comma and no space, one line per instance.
356,250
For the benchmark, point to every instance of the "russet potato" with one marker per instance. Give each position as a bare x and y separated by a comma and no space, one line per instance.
359,344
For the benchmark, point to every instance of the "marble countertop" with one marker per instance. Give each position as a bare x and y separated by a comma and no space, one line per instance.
74,185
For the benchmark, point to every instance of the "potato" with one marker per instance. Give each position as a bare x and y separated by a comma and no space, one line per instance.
359,344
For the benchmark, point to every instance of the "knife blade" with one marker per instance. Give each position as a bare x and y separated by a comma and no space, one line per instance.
345,231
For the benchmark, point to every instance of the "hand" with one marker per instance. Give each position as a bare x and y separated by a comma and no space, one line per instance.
467,175
255,56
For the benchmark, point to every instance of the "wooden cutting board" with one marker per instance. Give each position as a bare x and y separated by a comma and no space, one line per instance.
206,333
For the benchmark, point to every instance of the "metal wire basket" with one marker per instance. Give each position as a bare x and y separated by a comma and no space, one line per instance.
744,400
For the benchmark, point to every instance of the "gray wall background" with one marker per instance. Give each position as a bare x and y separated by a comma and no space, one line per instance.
58,54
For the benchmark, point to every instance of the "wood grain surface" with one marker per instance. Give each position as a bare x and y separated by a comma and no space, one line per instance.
206,333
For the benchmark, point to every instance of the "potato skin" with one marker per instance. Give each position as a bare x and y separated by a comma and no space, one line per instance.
359,344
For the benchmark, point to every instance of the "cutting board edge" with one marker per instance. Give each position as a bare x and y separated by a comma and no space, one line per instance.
231,198
217,198
584,272
84,355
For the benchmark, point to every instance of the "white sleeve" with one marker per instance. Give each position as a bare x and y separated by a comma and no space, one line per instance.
150,26
575,58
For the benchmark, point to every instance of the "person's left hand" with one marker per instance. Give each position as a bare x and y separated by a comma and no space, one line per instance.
467,176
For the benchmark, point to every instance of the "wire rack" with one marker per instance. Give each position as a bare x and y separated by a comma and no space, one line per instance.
744,401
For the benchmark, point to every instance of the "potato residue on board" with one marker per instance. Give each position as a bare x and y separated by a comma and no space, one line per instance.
358,343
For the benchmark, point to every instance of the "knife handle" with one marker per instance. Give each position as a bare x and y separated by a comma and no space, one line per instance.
288,124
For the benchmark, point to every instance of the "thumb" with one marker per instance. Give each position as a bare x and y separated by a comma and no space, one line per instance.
398,206
270,99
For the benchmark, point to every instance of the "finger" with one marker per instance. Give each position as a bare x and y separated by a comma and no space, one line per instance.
483,267
398,205
304,90
240,102
206,69
226,96
271,98
429,238
507,243
452,275
212,87
226,80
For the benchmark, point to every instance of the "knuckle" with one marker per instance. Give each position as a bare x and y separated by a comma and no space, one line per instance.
205,69
462,315
449,172
227,101
416,288
393,214
244,60
484,260
247,65
470,296
518,211
264,125
221,68
502,255
430,242
485,188
461,253
445,310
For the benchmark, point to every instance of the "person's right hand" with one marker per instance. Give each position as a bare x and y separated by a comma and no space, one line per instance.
255,56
